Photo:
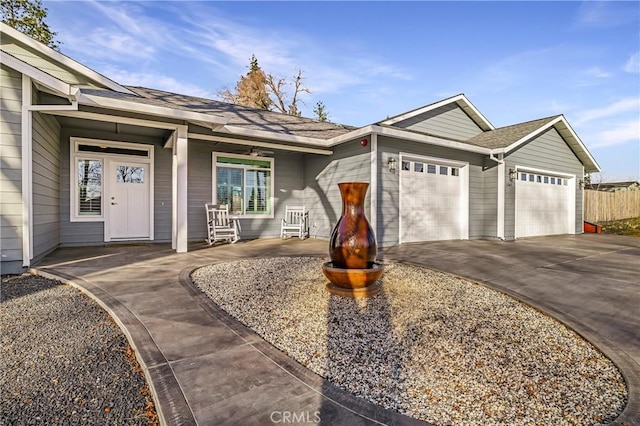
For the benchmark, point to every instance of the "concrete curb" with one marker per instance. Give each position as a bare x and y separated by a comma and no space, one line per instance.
171,405
367,411
628,368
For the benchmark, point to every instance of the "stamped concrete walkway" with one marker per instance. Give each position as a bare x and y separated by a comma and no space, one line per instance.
207,369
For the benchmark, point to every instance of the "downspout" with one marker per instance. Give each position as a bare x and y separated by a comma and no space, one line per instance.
27,159
501,191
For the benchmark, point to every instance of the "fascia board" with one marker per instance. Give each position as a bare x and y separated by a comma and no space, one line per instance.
37,74
574,136
357,133
86,115
456,99
178,114
528,136
223,139
400,134
250,133
475,110
419,111
62,59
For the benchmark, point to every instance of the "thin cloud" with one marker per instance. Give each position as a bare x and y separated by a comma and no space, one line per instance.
591,77
282,53
633,64
628,131
123,33
628,105
158,81
606,14
515,70
597,72
203,37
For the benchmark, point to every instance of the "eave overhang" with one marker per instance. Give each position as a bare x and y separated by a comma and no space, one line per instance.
61,59
462,102
570,137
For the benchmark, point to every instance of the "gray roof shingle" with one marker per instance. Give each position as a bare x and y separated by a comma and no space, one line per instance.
505,136
238,116
256,119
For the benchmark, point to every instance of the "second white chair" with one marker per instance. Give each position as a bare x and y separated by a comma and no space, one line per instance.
295,222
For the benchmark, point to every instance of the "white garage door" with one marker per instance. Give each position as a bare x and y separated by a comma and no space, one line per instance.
543,205
432,201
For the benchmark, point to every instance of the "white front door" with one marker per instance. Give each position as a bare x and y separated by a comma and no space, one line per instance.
128,200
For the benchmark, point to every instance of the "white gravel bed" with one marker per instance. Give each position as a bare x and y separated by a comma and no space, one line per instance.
430,345
63,361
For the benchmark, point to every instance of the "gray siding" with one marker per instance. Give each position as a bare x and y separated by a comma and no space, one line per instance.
488,199
548,152
10,171
288,190
449,121
163,189
349,163
389,187
46,184
92,233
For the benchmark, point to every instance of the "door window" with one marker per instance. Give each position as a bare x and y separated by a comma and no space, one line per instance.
129,174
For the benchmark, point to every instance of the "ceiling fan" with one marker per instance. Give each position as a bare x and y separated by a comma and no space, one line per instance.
255,152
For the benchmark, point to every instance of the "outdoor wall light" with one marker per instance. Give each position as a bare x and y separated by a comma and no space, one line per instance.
581,184
512,175
392,164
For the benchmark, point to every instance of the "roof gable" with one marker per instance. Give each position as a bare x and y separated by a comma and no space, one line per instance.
509,138
48,60
508,135
461,100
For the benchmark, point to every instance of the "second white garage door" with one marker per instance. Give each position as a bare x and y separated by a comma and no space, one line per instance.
544,204
433,200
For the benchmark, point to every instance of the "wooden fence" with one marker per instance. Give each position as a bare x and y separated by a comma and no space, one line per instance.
600,206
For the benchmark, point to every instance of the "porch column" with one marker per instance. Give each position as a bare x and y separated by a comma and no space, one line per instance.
373,195
27,187
180,200
501,190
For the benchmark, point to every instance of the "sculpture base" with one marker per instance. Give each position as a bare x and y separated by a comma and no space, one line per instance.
354,293
353,282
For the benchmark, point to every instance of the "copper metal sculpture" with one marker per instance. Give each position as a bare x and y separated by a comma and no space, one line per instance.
353,270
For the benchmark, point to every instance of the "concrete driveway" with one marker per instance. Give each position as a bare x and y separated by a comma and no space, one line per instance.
589,282
206,369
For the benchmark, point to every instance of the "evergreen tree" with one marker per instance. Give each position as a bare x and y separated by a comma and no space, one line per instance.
260,90
251,89
321,112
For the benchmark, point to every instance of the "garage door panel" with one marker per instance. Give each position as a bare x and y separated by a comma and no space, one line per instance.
542,206
433,200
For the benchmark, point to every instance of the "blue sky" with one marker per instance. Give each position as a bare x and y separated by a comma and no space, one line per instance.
515,61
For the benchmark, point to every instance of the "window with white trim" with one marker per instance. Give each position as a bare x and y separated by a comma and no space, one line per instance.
244,183
89,178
